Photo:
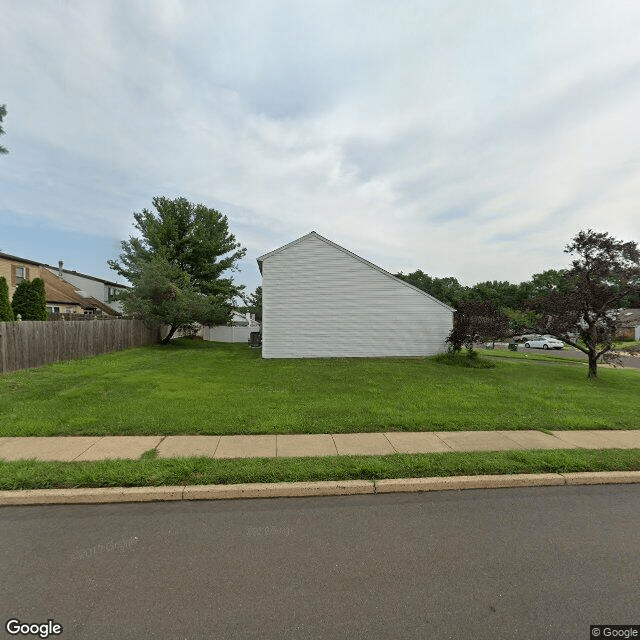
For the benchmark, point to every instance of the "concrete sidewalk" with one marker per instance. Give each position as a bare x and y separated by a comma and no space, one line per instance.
86,448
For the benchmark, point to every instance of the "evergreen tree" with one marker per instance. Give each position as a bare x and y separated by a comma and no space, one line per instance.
29,300
39,299
6,312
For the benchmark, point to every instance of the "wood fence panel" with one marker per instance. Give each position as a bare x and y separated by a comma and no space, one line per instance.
26,345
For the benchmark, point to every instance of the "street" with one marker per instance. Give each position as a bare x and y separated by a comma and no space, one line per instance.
540,563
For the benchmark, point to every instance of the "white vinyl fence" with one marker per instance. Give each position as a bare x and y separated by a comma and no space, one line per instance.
228,334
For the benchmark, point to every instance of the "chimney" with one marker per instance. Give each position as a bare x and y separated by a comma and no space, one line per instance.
60,263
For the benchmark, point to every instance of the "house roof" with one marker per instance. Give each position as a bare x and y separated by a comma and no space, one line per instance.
61,292
6,256
84,275
314,234
630,317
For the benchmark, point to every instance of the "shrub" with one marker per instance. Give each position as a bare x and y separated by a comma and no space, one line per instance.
457,359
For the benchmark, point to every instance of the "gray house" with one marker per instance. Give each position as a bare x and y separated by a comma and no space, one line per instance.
320,300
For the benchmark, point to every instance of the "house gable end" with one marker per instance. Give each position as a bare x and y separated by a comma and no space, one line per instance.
315,235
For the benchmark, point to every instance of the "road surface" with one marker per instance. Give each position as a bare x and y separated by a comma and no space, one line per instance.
541,563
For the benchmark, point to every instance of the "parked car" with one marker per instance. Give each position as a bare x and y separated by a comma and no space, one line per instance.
542,342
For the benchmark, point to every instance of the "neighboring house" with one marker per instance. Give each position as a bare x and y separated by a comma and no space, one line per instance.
61,296
243,319
320,300
97,288
628,324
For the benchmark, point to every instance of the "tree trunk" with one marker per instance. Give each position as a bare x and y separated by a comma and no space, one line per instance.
166,340
593,366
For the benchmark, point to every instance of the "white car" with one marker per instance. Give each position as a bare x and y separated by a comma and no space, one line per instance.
544,343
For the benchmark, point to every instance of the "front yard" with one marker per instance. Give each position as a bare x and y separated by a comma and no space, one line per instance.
193,387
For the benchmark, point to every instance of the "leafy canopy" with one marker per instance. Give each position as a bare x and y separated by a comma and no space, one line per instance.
192,237
476,320
3,113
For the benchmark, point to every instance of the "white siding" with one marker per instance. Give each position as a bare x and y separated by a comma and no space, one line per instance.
320,301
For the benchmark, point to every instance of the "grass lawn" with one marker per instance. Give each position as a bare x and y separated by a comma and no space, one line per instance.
27,474
192,387
545,356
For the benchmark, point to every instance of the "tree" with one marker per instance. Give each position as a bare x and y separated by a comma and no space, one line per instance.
447,290
255,303
3,113
584,315
163,294
194,238
476,320
6,312
29,300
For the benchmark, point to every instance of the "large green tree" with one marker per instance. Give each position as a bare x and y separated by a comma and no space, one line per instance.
3,113
6,312
163,294
193,238
29,300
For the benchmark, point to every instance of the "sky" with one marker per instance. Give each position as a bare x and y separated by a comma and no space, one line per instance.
467,139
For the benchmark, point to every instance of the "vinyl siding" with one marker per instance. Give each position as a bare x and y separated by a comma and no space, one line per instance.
319,301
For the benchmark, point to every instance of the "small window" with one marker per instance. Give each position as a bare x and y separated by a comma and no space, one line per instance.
68,310
20,274
53,309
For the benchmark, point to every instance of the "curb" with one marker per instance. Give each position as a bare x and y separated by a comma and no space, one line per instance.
106,495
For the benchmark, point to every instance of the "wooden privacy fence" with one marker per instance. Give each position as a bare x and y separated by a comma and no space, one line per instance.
25,345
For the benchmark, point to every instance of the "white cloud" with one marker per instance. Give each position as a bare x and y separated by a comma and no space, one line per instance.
468,139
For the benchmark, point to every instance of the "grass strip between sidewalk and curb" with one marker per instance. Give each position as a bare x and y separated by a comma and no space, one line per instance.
150,472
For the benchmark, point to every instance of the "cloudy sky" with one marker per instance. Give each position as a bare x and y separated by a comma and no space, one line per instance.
465,138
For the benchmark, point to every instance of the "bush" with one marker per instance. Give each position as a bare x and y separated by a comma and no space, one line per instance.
457,359
6,312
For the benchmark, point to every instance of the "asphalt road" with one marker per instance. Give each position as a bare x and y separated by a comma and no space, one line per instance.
502,564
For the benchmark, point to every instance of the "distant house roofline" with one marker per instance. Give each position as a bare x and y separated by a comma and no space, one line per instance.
84,275
8,256
314,234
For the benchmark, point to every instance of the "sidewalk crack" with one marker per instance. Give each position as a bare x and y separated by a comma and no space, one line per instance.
390,443
87,449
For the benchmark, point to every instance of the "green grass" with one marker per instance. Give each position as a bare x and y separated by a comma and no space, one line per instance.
199,387
28,474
